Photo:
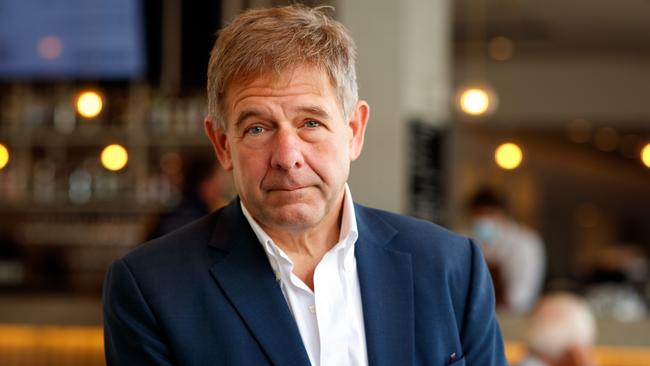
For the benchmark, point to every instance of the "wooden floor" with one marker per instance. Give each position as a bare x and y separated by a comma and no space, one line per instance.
22,345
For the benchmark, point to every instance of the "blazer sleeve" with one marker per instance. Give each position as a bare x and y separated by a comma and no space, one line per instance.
131,332
481,336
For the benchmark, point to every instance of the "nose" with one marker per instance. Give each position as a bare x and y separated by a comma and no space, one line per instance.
287,153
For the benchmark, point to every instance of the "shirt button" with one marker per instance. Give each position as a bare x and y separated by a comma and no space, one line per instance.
312,309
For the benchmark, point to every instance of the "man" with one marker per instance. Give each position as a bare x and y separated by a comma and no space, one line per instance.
292,272
561,331
515,253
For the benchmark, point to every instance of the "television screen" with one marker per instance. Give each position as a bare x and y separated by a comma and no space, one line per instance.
75,39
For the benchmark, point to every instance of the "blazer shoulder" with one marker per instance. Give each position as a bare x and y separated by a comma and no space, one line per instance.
191,239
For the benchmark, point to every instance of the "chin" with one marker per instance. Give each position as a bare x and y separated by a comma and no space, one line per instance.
297,218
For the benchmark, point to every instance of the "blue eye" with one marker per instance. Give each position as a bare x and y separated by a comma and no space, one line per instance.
256,130
312,124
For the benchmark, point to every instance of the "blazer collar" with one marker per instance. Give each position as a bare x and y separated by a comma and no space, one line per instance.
386,281
246,278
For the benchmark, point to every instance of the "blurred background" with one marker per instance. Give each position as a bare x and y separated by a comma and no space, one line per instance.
545,105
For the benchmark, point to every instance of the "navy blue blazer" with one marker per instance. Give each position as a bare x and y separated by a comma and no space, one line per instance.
206,295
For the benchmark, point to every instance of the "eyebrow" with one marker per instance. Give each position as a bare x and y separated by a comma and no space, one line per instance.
313,110
248,113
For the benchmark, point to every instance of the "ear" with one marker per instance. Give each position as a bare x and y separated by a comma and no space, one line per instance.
357,125
220,143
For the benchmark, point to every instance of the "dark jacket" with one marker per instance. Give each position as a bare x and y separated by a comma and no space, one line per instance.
206,295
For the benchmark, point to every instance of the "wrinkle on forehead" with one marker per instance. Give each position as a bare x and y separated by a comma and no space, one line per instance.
271,83
303,84
276,75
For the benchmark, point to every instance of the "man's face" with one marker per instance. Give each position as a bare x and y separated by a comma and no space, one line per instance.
289,147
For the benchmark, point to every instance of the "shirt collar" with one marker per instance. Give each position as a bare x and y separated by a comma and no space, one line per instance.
349,232
347,236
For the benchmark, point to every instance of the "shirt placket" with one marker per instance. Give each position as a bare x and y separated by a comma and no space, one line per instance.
331,312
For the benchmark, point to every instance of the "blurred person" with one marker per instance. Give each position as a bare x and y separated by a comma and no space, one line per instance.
514,253
616,286
560,331
201,194
621,263
292,271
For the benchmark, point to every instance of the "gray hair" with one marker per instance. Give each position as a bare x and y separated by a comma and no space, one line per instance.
560,321
276,40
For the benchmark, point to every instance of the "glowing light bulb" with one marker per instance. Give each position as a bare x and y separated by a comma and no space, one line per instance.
114,157
645,155
89,104
4,156
508,156
475,101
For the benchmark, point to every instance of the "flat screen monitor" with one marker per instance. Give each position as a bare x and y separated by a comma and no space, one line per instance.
71,39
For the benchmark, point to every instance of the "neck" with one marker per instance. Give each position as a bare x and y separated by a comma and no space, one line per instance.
307,247
311,242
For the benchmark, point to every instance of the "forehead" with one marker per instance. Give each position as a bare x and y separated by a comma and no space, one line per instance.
299,82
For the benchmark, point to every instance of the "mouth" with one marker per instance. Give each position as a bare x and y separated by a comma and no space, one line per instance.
286,189
284,183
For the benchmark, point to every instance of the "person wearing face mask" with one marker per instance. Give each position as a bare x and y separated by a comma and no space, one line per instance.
514,252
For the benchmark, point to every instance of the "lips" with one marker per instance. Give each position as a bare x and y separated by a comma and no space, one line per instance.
284,183
285,188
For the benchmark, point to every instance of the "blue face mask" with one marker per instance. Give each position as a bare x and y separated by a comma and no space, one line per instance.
485,230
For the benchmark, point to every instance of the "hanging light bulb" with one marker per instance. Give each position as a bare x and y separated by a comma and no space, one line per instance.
477,100
508,156
89,104
4,156
645,155
114,157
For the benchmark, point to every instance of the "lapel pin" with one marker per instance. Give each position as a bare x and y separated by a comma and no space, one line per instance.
452,358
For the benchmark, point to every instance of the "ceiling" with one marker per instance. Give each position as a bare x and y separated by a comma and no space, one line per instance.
570,26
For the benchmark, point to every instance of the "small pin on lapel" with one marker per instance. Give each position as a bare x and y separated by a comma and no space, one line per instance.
452,358
277,276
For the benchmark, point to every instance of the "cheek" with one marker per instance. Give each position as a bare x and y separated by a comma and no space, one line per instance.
330,159
249,166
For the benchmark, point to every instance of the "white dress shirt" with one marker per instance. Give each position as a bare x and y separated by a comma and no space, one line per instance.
330,318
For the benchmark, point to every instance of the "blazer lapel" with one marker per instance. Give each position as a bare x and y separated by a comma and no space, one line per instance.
247,279
386,280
